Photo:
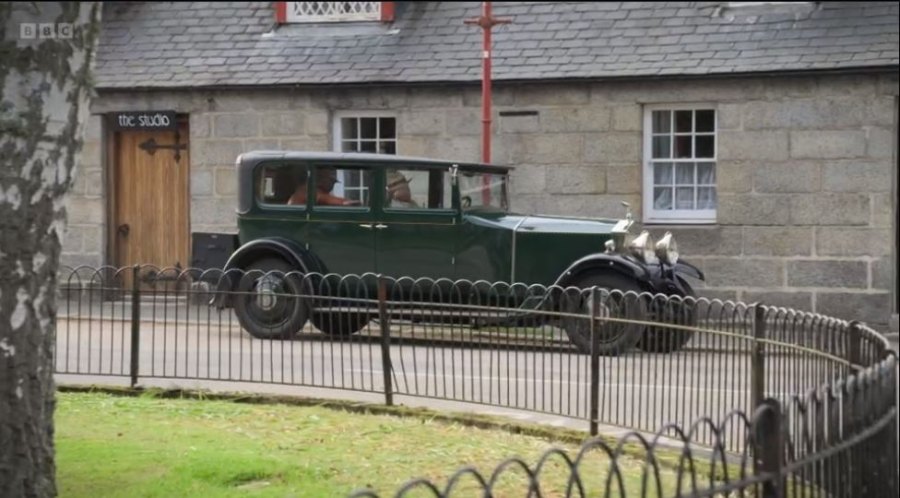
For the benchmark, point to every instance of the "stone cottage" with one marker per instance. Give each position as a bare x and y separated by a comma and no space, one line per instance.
764,136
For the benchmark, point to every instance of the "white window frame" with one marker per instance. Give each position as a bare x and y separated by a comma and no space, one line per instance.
685,216
338,140
292,15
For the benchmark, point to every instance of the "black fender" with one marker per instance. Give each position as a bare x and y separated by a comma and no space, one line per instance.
296,255
605,262
690,270
290,251
671,280
617,263
670,283
602,262
650,278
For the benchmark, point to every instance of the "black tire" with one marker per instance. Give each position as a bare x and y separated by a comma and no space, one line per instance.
279,315
335,296
615,338
340,324
678,312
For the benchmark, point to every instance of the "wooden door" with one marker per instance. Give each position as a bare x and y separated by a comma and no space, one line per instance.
150,222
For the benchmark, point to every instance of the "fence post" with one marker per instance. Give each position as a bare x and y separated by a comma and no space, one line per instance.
853,416
384,321
892,441
854,348
768,454
758,358
135,323
595,364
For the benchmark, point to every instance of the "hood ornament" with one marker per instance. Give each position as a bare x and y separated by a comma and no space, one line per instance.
623,225
628,217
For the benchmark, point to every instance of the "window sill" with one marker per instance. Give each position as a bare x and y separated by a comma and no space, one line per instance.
679,221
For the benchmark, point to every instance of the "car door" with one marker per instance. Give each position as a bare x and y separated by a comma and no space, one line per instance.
416,225
486,243
342,234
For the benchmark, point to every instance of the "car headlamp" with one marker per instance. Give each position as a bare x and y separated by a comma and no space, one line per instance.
667,249
643,247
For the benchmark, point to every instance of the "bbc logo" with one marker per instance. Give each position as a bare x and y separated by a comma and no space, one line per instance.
46,31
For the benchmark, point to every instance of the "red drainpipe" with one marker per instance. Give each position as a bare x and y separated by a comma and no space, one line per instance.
486,21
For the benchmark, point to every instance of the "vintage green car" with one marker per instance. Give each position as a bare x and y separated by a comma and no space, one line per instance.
334,213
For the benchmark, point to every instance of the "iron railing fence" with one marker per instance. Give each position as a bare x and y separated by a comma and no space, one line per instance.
836,441
636,361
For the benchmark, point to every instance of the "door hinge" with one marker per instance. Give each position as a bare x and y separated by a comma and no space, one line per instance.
150,146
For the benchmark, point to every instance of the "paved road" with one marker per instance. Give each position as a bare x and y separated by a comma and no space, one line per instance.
471,372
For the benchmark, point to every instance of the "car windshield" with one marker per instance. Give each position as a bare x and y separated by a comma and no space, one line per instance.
483,191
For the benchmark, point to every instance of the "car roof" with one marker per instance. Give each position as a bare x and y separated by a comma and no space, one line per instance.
252,158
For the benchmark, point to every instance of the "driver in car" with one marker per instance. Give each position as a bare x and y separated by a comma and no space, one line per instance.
325,180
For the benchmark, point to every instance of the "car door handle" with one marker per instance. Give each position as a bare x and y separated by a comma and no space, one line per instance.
366,225
380,226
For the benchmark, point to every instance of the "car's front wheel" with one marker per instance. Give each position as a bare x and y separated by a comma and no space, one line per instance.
676,310
268,304
616,298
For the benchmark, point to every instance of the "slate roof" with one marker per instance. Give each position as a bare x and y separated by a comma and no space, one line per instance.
192,44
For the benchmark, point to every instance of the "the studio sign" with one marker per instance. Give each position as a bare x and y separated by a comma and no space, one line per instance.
144,121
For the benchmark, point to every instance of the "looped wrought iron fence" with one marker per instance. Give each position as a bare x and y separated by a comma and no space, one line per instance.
805,403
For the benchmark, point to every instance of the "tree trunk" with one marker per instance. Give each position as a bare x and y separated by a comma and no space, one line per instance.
45,86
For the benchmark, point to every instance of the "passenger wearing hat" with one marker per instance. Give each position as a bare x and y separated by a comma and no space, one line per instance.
398,193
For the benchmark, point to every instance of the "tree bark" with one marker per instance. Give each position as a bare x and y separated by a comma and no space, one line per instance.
45,85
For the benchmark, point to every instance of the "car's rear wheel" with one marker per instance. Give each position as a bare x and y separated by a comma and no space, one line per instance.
340,307
661,339
268,304
340,324
617,298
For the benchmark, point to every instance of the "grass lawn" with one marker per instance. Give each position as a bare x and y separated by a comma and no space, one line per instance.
111,446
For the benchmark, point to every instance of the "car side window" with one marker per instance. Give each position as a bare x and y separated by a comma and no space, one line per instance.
343,186
282,184
417,188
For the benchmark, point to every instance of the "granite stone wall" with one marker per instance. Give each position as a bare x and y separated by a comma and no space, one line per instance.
805,167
